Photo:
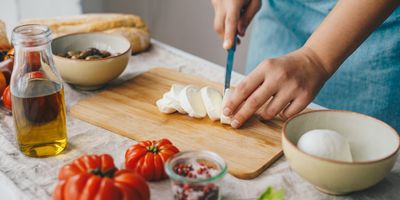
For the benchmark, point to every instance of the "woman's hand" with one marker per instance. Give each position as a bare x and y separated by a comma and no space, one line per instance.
228,20
285,85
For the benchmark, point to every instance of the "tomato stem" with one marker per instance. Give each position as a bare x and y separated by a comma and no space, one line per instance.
153,149
109,173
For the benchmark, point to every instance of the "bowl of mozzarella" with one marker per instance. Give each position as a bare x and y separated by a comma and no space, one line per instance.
340,152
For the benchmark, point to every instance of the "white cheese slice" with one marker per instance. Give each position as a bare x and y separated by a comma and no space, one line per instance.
191,102
166,105
225,119
212,100
174,94
176,89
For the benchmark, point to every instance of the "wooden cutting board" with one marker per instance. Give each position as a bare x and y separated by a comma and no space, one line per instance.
129,110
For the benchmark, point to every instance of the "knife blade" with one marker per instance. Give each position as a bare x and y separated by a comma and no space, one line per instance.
229,64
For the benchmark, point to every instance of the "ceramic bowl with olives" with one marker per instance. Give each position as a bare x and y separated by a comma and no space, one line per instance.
88,54
88,61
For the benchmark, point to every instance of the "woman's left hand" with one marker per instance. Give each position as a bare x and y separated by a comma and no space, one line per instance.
285,85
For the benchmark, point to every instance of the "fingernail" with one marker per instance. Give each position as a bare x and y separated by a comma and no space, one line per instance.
225,45
242,30
235,124
227,111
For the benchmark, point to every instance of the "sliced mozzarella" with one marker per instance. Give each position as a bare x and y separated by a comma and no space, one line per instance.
176,90
174,94
166,105
212,100
225,119
191,102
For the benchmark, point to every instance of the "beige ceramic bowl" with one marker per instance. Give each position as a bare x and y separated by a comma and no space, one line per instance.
374,146
91,74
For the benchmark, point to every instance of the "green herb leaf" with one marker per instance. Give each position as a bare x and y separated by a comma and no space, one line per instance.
272,194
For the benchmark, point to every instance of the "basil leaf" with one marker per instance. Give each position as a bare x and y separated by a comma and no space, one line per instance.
272,194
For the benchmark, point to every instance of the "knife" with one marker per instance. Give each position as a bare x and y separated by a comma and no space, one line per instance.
229,64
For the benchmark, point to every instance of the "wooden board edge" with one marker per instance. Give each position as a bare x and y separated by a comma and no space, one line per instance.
255,174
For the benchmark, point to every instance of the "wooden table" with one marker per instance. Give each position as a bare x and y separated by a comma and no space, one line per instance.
22,177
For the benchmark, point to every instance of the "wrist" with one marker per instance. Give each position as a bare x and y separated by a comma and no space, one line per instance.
316,59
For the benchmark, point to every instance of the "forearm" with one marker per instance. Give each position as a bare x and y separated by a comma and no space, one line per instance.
345,28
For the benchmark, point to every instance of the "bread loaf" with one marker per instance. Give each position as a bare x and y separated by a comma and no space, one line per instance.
4,43
138,37
130,26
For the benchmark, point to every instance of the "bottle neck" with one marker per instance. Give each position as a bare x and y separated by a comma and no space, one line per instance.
32,44
37,48
33,57
31,36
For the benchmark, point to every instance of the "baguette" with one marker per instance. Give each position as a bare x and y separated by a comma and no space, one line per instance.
139,38
4,43
130,26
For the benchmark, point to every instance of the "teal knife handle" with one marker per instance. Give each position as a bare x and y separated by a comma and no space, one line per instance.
229,64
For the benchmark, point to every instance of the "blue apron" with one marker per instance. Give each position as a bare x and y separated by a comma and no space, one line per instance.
367,82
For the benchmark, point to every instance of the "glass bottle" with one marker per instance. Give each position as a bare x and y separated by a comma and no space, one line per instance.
37,94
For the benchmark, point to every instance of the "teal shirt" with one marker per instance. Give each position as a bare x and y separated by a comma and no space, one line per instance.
367,82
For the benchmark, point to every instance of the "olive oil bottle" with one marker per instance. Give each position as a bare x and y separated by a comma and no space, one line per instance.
37,94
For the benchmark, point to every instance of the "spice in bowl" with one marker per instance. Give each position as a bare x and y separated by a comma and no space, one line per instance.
196,175
88,54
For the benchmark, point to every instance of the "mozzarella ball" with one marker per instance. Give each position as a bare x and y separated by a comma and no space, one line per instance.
325,144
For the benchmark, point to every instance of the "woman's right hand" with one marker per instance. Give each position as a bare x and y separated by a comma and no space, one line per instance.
228,19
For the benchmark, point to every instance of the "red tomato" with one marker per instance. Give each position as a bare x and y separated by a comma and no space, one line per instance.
148,157
96,177
7,98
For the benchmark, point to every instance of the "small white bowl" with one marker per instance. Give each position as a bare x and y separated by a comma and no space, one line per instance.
91,74
374,146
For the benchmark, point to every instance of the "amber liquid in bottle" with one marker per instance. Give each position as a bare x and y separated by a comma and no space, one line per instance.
40,120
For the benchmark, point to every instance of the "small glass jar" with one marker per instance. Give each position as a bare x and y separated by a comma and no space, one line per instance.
37,93
196,175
